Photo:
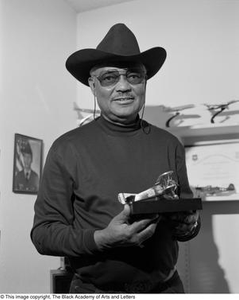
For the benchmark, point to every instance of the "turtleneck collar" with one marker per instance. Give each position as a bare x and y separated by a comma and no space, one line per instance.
116,129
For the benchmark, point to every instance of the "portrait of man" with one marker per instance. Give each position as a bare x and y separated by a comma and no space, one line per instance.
27,165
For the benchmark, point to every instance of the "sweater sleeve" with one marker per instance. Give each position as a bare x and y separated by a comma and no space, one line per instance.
53,231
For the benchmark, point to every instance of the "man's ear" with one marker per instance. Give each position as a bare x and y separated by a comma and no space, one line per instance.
92,85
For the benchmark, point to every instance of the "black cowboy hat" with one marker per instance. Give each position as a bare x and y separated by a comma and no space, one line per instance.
119,45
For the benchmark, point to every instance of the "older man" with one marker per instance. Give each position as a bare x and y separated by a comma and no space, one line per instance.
77,212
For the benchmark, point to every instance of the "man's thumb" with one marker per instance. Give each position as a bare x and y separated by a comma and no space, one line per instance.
124,215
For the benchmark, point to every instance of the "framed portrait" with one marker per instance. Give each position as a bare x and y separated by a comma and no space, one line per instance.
27,164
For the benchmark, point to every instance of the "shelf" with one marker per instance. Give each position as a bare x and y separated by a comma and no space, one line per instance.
196,131
234,197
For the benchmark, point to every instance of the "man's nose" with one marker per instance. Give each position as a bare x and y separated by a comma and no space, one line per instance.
123,83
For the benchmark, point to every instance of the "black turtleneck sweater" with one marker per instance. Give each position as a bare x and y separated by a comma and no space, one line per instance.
85,170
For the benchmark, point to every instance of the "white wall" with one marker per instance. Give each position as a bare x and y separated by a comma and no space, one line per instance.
201,42
201,39
37,96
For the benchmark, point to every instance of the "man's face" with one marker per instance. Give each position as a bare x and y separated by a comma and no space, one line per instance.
27,159
120,91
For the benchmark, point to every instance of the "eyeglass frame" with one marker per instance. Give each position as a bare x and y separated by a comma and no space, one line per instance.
142,72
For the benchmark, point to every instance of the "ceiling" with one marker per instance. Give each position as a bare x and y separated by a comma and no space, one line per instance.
85,5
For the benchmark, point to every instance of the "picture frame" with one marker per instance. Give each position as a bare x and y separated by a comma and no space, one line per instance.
27,164
213,168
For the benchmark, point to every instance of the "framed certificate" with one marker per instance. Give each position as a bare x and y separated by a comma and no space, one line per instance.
213,169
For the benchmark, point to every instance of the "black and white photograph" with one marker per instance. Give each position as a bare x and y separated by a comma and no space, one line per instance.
119,142
27,164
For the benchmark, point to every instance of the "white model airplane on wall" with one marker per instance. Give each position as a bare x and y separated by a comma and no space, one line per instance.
217,109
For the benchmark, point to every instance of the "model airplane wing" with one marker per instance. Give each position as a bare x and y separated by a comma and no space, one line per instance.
179,108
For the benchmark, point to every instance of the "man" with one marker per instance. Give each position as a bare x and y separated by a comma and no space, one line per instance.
77,213
27,179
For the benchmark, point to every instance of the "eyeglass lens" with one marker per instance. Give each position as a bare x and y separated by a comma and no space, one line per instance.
133,76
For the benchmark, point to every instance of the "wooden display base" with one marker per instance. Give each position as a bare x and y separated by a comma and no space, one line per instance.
155,205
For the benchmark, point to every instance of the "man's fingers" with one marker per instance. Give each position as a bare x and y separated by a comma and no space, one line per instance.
146,233
141,225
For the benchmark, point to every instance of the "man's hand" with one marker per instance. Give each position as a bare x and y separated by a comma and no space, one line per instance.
184,223
121,233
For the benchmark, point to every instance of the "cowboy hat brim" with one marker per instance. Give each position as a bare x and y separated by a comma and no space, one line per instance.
81,62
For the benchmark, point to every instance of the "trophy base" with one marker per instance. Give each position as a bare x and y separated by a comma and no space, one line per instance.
155,205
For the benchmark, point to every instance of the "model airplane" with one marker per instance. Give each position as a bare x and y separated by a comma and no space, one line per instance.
93,113
216,190
218,108
177,110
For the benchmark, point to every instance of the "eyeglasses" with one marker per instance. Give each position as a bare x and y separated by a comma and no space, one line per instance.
112,77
